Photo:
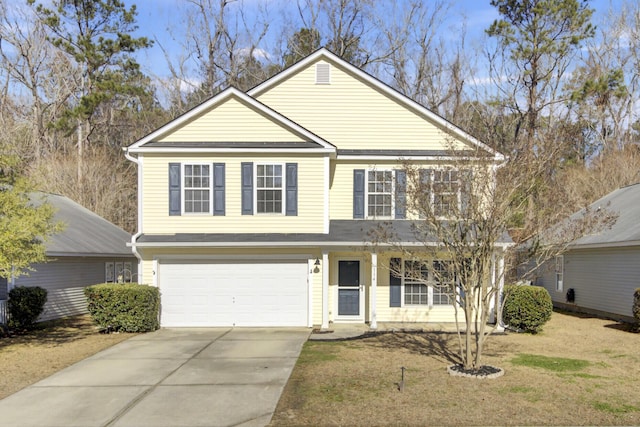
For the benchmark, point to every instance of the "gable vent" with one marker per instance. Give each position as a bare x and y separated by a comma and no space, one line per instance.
323,74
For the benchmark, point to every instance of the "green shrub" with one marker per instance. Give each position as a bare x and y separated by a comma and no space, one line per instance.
636,304
124,307
25,304
527,307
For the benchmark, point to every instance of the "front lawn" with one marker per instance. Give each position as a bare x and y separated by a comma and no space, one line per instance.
26,359
578,371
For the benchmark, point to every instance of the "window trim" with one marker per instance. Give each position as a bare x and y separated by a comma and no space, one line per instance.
393,195
430,284
283,187
183,188
559,273
432,192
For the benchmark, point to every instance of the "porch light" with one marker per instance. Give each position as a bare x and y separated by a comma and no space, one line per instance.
317,263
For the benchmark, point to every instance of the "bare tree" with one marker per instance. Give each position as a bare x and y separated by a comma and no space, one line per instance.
460,219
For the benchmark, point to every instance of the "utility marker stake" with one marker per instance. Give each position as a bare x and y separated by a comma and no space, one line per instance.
401,385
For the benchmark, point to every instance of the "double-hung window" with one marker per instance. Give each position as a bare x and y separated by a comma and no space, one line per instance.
444,283
197,188
269,188
422,283
415,277
380,194
559,273
446,192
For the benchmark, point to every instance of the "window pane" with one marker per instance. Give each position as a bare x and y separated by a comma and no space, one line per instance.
197,195
269,188
380,193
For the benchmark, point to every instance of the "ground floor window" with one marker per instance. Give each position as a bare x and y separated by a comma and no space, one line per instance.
559,273
427,283
120,272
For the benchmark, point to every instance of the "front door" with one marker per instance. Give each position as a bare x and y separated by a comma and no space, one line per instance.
350,291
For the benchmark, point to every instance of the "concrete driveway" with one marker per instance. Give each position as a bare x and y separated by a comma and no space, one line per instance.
171,377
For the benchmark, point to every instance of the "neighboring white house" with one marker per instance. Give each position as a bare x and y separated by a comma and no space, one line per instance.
600,272
87,251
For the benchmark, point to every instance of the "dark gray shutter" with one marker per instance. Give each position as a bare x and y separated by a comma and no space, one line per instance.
395,283
292,189
218,189
247,188
174,189
358,194
466,182
401,194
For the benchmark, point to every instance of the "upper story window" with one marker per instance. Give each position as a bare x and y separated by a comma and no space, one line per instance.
269,188
443,190
446,192
197,188
380,194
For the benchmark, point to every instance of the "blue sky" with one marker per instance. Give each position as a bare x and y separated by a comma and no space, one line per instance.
155,17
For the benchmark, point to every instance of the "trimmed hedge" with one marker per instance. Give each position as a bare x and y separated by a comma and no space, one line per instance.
527,308
636,304
25,305
124,307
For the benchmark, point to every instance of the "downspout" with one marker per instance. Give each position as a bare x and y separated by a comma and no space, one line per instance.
134,238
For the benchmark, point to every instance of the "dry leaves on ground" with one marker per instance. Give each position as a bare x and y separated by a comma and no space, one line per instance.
356,382
26,359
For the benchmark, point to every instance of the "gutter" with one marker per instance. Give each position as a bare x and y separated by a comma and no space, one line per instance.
134,238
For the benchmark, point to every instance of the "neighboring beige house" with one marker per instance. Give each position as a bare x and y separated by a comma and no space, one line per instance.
87,251
254,207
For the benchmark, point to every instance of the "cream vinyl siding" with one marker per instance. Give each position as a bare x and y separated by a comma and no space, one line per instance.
437,314
310,218
148,255
353,115
231,121
341,191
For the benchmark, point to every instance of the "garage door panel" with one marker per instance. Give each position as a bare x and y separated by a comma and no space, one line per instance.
239,293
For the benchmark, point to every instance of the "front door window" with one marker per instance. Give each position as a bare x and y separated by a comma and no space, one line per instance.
349,288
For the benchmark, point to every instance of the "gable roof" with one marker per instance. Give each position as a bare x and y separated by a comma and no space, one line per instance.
150,141
85,233
625,231
325,54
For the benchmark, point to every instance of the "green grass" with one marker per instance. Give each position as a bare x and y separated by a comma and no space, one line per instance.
317,352
615,409
556,364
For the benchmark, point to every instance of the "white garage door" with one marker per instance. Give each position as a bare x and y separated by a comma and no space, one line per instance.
234,293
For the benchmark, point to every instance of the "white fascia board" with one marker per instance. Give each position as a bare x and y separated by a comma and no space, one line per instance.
223,96
397,96
178,150
411,158
605,245
275,244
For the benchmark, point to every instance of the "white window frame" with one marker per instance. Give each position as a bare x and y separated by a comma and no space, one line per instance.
393,194
430,284
559,273
282,188
184,188
432,192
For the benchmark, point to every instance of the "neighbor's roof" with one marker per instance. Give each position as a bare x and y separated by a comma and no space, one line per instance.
353,233
84,233
625,231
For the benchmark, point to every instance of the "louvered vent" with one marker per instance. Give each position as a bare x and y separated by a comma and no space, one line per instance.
323,74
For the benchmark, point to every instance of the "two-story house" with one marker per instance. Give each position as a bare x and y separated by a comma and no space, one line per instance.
254,208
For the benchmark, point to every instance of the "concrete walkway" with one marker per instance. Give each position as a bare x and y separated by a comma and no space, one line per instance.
171,377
